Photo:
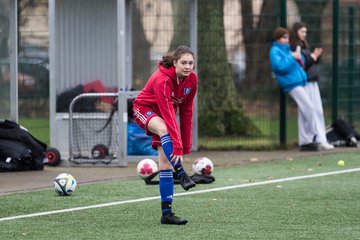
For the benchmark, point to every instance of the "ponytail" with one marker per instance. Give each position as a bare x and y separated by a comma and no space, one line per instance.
169,58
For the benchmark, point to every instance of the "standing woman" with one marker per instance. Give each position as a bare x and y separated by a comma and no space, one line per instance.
287,67
298,38
172,87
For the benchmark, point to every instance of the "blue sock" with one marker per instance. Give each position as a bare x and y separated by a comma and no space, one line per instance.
167,146
166,185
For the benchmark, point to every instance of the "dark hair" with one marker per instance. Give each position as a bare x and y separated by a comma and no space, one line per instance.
168,58
294,37
279,33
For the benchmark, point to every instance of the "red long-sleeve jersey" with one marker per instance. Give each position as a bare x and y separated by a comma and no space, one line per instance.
164,94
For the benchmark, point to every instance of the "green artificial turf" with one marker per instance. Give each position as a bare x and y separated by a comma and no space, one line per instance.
316,208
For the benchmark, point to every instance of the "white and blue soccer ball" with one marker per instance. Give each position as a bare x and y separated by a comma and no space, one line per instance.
64,184
203,166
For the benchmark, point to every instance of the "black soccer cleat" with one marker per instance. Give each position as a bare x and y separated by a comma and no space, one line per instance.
313,146
172,219
310,147
186,182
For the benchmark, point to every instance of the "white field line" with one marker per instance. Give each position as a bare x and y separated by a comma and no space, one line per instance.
181,194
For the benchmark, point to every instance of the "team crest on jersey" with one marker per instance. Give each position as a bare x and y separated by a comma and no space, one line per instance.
187,91
148,113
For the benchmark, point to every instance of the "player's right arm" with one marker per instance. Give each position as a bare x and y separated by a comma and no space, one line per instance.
163,89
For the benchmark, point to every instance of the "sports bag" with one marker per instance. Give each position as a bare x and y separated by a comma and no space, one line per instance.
342,133
19,150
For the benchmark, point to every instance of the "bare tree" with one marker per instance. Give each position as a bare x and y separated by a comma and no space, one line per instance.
220,112
257,32
23,7
141,51
311,13
181,10
4,31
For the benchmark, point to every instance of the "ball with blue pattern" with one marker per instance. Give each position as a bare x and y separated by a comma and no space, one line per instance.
64,184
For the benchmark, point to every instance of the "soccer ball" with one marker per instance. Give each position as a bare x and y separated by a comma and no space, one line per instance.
64,184
146,167
203,165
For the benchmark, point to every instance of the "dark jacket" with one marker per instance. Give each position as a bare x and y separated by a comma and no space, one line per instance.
19,150
311,66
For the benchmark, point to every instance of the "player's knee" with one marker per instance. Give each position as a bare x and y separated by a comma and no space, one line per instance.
157,125
162,130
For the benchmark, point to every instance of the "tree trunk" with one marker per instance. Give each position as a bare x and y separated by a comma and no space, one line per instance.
181,19
140,50
219,109
257,41
311,14
4,32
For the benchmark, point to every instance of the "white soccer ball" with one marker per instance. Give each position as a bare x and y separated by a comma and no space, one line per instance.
203,166
146,167
64,184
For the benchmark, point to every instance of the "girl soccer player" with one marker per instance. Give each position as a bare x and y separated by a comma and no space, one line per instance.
170,89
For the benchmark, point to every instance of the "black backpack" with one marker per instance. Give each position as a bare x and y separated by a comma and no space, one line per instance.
342,133
19,150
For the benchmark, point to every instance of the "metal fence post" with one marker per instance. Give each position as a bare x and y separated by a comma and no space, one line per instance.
351,64
194,44
335,47
13,32
282,129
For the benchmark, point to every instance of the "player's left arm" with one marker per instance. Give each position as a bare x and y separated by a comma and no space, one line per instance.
186,112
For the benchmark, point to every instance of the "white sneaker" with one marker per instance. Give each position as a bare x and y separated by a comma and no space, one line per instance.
326,146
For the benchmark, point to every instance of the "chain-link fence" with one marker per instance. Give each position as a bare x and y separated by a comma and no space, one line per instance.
33,67
348,82
4,60
234,38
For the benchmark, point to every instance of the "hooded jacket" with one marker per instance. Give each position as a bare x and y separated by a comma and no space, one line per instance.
289,74
165,94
